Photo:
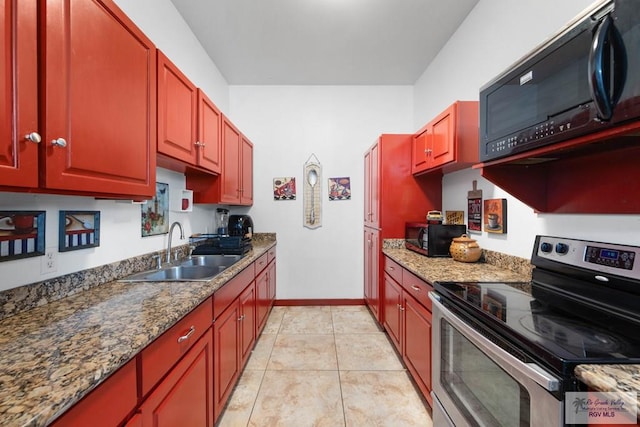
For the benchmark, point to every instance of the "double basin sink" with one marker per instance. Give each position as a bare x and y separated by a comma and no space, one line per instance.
196,268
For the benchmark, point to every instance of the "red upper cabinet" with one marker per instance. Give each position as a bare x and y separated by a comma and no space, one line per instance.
449,142
208,143
19,94
177,112
98,100
234,186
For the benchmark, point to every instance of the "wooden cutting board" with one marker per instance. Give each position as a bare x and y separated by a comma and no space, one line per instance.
474,209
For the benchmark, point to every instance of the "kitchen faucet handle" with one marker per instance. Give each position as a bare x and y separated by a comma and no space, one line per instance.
158,260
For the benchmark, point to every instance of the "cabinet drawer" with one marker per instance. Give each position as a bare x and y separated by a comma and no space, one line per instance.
393,269
261,263
167,349
224,296
271,254
417,287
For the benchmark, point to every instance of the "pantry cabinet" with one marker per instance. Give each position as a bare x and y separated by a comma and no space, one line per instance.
85,123
371,270
449,142
408,321
393,196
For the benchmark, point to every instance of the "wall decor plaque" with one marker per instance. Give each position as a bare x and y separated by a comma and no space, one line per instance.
21,234
78,230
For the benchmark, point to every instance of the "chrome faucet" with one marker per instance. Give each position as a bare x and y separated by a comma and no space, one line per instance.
169,242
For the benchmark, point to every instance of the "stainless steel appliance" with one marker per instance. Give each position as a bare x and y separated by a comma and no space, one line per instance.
504,356
432,240
584,79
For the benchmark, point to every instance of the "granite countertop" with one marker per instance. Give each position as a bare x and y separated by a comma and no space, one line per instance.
614,378
448,270
51,356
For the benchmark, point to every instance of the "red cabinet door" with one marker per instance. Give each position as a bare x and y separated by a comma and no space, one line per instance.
18,93
419,153
372,187
247,301
246,170
393,311
209,121
272,282
262,299
371,271
226,360
230,178
177,112
185,396
417,343
442,147
98,100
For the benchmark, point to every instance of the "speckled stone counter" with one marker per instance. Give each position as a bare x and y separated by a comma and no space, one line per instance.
446,269
616,378
53,355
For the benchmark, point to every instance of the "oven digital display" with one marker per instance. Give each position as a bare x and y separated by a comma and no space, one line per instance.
610,257
609,254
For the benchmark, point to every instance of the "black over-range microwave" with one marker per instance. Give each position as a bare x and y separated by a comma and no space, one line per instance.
584,79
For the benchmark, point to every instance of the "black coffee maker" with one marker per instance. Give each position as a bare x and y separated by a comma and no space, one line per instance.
240,225
237,242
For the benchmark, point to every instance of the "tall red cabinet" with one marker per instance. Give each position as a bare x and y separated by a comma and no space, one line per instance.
392,197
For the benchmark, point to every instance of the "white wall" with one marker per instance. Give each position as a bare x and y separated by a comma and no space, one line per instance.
337,123
496,34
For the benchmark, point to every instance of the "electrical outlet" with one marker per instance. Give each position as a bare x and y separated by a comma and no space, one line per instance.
49,262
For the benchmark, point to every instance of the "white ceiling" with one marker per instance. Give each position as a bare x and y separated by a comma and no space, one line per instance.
323,42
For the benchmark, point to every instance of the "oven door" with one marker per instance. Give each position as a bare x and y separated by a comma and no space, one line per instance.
477,383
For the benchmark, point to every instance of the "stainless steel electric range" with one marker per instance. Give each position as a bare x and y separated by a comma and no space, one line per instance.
504,354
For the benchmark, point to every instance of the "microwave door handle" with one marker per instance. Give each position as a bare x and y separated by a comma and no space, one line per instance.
599,58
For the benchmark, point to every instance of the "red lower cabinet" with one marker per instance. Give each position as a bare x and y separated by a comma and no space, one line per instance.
226,360
185,396
108,405
407,320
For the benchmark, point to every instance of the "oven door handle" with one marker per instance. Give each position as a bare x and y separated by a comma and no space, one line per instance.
531,370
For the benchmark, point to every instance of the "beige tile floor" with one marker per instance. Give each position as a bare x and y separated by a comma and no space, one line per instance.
324,366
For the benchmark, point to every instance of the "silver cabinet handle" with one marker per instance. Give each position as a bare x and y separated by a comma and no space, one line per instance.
33,137
199,144
415,288
60,142
186,336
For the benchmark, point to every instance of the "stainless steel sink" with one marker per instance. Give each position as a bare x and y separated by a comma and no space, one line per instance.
212,260
197,268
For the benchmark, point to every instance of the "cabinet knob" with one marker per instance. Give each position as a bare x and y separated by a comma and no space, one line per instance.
199,144
33,137
60,142
428,151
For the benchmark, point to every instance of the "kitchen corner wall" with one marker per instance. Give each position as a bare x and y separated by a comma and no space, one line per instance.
337,124
494,35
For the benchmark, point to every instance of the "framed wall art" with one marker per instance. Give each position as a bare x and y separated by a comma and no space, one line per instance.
154,214
78,230
340,188
22,234
495,216
284,188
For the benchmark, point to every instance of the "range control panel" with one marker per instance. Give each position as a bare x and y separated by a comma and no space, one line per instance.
601,257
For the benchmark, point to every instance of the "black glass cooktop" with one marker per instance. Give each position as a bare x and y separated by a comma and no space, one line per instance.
543,332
